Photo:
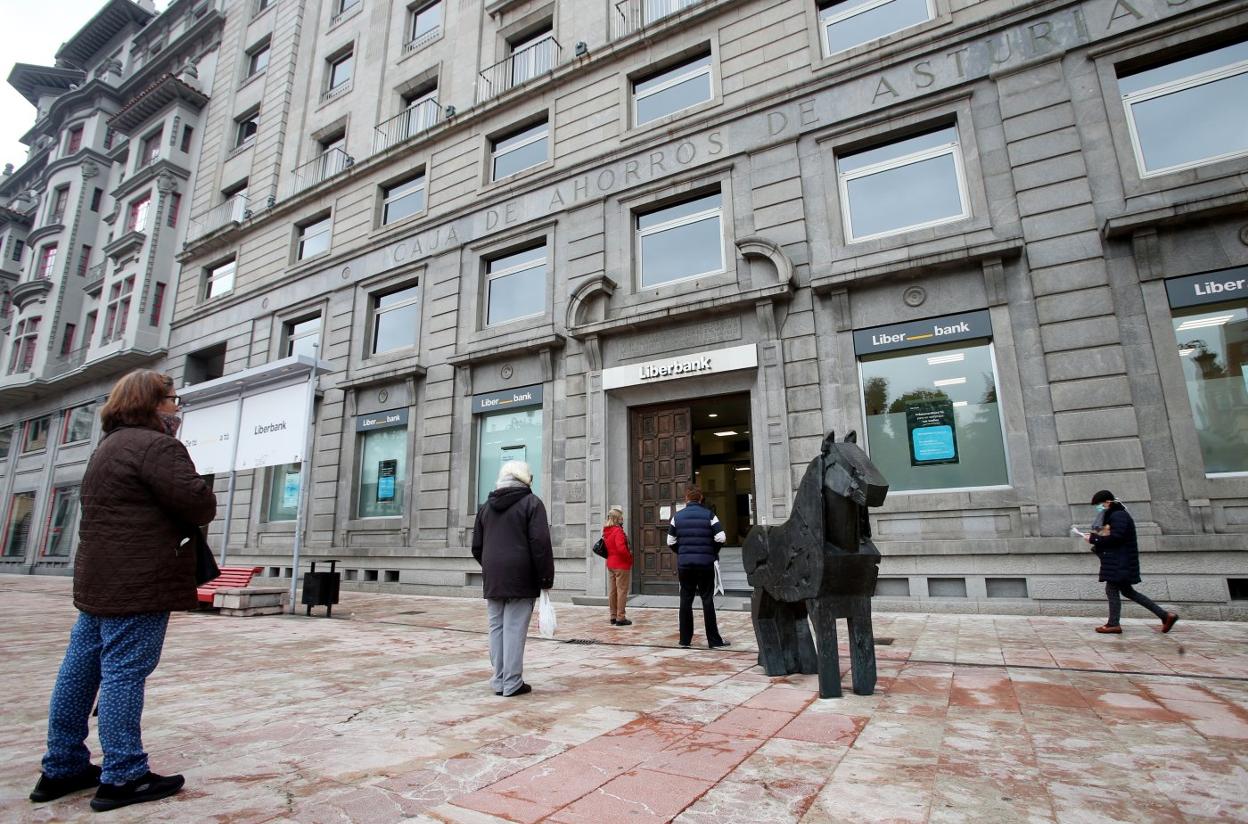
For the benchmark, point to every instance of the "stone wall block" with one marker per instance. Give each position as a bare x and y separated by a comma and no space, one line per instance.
1091,393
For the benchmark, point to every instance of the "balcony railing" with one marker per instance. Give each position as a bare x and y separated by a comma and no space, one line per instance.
520,67
67,362
317,169
408,123
421,39
233,211
633,15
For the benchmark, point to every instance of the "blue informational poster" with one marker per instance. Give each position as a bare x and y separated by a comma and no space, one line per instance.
931,427
386,471
290,491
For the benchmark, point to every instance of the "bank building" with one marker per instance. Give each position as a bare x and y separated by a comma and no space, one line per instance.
643,243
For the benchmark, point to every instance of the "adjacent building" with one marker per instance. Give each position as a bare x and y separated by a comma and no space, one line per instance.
639,243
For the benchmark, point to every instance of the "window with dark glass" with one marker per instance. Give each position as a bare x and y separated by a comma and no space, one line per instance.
684,240
313,238
519,150
515,285
245,127
403,199
396,319
187,133
96,196
672,89
383,472
158,303
22,349
62,521
79,422
17,531
74,141
36,434
84,260
67,340
850,23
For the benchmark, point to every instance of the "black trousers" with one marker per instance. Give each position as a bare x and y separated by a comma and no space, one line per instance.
698,581
1112,590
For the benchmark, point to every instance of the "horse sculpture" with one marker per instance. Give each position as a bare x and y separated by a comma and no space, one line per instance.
821,559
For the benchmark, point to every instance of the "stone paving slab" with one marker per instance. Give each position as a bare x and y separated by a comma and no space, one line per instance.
383,714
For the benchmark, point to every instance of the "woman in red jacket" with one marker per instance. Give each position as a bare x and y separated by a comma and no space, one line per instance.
619,565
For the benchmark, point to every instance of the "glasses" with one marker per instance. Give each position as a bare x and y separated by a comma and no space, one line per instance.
175,398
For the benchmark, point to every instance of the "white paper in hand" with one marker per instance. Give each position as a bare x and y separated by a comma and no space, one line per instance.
1076,533
719,582
546,616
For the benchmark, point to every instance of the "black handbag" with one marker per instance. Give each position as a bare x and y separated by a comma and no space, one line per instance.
206,568
600,548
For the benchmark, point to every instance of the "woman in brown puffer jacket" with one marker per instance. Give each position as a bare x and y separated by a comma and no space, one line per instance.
141,498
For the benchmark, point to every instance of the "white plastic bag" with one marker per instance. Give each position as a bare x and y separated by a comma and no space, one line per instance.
546,615
719,582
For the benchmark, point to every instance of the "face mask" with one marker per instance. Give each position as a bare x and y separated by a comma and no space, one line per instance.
172,422
1102,507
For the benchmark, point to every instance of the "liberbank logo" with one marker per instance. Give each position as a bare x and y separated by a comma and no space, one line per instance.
681,366
964,326
882,338
649,371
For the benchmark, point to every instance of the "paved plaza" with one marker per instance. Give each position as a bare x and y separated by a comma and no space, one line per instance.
383,714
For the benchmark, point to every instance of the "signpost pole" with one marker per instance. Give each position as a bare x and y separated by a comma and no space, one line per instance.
305,476
229,493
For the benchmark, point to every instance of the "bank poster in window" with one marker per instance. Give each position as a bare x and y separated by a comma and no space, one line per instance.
386,471
930,425
515,452
290,490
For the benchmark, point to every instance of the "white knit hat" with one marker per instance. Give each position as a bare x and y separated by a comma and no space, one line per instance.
515,471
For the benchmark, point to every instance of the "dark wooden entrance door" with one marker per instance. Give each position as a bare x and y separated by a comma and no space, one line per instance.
662,465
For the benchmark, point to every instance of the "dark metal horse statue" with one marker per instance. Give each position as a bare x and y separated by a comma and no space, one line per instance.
822,558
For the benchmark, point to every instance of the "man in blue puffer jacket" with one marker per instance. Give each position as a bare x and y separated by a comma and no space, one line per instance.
695,535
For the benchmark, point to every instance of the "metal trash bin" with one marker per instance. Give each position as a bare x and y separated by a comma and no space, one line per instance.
320,589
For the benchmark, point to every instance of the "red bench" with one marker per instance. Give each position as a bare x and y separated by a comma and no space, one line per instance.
229,578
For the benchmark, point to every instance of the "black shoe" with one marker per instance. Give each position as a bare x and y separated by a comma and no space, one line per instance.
614,622
684,646
50,789
623,622
720,644
149,787
524,690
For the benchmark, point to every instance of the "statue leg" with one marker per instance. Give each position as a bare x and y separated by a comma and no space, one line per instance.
861,646
806,660
763,612
825,637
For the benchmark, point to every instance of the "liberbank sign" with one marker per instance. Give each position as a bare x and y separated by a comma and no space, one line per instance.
681,366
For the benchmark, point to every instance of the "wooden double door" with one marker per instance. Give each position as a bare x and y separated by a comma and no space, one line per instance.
661,460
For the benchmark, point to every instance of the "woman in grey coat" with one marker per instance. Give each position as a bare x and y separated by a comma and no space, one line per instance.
511,542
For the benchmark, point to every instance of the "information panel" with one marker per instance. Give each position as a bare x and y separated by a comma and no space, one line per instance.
208,434
274,428
930,425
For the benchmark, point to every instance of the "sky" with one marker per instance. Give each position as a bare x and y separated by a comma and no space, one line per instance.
32,32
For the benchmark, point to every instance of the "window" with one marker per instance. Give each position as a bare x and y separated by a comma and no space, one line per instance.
96,197
519,150
403,199
383,472
79,422
25,338
84,260
67,342
853,22
6,443
313,238
175,206
18,247
652,10
258,59
681,241
301,336
515,286
187,134
89,332
60,198
204,365
18,529
136,216
340,69
74,141
1211,331
117,309
36,434
245,127
47,261
341,7
283,492
1182,114
61,522
396,319
532,55
426,21
932,417
158,303
671,90
910,184
150,149
219,279
508,436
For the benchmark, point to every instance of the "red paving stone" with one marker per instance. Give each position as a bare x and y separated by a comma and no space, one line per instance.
640,795
750,722
823,728
705,755
784,699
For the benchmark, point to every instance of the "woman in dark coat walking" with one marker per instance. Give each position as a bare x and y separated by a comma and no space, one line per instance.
141,498
511,542
1115,544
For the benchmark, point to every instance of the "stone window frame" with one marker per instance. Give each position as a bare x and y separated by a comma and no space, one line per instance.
544,115
872,50
475,271
628,99
411,12
263,46
282,318
408,175
237,139
363,359
299,236
1168,45
208,276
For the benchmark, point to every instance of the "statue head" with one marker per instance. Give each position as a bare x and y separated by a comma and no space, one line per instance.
849,472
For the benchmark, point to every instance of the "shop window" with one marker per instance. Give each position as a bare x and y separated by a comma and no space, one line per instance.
671,90
17,531
519,150
909,184
61,522
36,434
403,199
283,492
851,23
300,337
1211,332
383,472
515,286
313,238
1181,114
79,422
396,319
219,279
685,240
933,421
258,58
508,436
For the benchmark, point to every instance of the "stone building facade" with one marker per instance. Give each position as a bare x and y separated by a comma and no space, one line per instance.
646,242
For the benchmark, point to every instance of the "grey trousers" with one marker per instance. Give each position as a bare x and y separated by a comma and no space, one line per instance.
509,628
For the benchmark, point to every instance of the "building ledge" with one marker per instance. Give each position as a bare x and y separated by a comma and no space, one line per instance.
911,260
26,293
1183,212
45,231
103,366
659,316
130,241
382,373
509,347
